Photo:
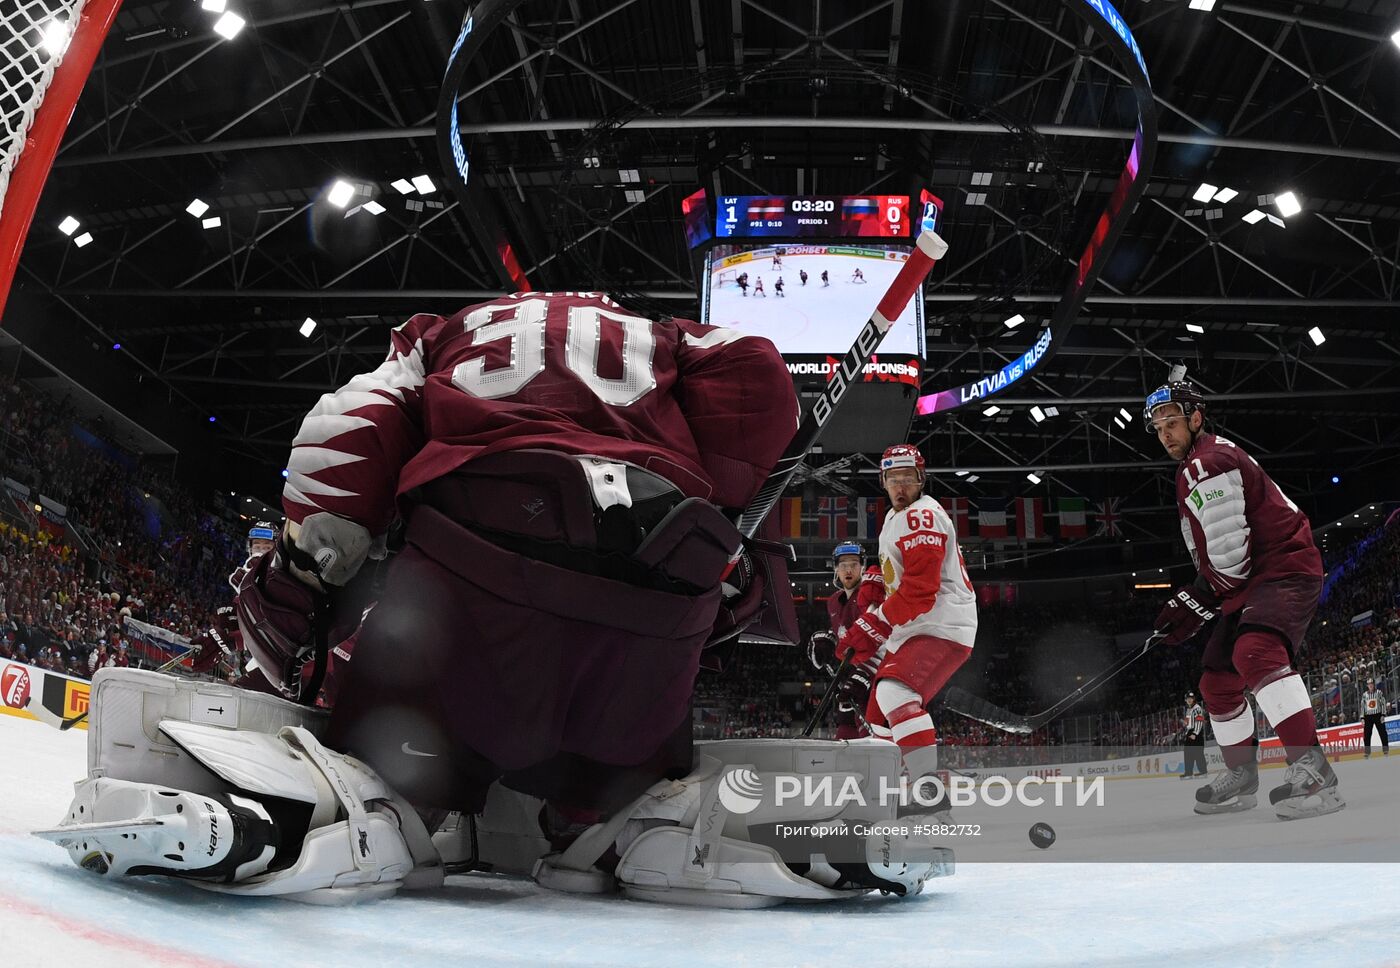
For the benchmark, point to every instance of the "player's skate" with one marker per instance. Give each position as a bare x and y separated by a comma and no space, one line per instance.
1309,788
1231,791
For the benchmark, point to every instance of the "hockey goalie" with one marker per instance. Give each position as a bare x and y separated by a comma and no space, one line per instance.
555,481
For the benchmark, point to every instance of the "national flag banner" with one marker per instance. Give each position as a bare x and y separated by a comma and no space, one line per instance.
1030,519
761,208
1073,523
1110,520
153,643
870,515
957,508
790,517
991,525
833,517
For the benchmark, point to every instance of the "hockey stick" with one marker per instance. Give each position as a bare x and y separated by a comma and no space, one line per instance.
963,703
928,250
831,691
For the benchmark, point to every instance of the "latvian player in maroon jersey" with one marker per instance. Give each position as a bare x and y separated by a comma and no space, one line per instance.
908,647
1261,573
857,590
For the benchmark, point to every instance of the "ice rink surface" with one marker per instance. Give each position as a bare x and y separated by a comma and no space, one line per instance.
1017,911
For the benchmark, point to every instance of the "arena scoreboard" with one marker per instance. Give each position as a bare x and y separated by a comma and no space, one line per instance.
812,216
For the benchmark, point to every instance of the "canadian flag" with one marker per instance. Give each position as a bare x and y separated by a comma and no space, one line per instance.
1030,519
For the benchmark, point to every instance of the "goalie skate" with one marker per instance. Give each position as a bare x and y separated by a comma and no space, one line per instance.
1230,792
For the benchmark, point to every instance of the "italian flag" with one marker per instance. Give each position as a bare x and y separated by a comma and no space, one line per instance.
1073,523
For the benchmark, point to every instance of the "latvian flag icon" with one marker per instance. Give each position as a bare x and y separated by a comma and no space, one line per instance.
762,208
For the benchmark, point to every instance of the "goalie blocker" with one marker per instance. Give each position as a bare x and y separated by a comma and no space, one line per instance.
233,791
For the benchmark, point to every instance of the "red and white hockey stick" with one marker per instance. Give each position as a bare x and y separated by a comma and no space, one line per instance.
928,250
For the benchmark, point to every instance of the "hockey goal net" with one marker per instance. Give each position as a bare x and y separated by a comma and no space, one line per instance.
47,48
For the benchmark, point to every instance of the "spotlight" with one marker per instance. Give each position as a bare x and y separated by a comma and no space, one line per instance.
424,184
1253,216
197,207
1205,193
1014,321
341,193
229,25
1033,477
1288,204
991,411
1336,479
69,225
1194,328
83,239
1037,415
308,326
1315,334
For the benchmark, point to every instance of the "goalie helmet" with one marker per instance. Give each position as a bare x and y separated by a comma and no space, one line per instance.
261,531
847,548
901,455
1181,392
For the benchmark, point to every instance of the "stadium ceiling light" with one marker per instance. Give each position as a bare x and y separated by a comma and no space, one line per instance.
1288,204
213,6
229,25
1013,321
69,225
308,326
1205,193
991,411
1037,414
1315,334
212,222
197,207
83,239
1395,38
1052,411
1195,328
56,36
1253,216
1205,6
1033,477
1118,421
1124,412
341,193
424,184
972,478
403,186
1225,195
1275,220
959,473
374,208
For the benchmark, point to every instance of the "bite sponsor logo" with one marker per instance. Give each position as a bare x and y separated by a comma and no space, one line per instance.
14,686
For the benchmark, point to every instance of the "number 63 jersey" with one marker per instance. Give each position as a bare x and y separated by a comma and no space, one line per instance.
707,408
927,590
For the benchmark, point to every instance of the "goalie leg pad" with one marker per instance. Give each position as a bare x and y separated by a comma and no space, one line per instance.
358,839
701,840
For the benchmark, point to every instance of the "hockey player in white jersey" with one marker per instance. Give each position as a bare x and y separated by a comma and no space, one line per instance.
908,647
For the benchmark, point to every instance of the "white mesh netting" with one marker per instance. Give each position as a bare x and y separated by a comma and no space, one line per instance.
33,36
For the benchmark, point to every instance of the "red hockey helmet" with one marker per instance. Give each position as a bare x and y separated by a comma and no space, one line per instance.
901,455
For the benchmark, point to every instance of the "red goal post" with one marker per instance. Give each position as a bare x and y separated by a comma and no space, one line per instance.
47,49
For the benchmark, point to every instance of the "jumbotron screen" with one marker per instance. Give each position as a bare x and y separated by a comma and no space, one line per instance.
809,299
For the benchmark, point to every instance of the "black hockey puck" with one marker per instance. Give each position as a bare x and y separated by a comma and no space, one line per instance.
1042,835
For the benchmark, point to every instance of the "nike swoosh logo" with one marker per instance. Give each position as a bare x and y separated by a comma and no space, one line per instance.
413,752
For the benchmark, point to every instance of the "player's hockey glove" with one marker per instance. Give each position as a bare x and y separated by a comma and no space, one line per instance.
821,652
278,614
854,689
1185,614
217,641
866,635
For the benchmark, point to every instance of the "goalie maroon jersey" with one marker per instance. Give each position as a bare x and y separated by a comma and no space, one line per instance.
1239,525
707,408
